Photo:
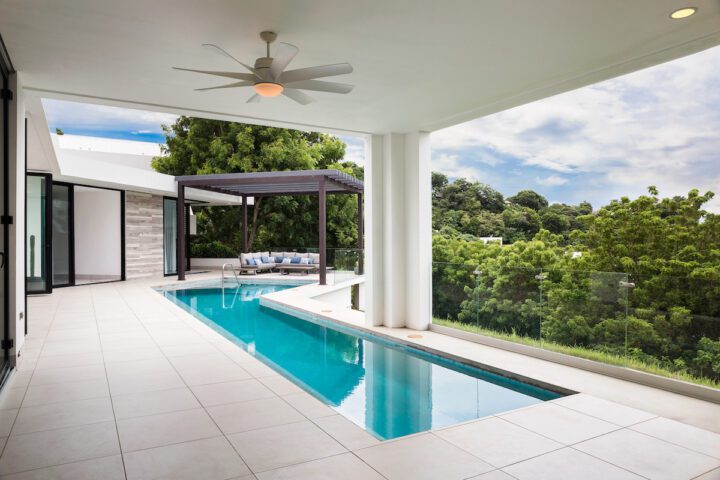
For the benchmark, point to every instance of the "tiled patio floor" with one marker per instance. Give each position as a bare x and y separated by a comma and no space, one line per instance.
117,383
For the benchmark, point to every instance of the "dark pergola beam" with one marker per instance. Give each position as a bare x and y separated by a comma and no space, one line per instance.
322,200
360,232
180,210
244,224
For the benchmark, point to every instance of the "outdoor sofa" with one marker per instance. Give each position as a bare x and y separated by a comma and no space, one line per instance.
283,262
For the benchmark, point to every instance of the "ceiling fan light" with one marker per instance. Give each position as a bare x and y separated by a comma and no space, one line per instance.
683,13
268,89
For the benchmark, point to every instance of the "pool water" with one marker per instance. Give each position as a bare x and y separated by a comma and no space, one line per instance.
389,389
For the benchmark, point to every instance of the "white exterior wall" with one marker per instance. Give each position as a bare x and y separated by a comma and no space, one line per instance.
98,234
398,234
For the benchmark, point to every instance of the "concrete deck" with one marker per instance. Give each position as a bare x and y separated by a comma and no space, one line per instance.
117,382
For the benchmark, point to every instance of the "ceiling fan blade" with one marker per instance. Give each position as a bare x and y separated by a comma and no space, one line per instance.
283,56
298,96
237,75
221,51
229,85
316,72
254,99
320,86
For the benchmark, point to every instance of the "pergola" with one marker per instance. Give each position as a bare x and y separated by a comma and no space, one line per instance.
268,184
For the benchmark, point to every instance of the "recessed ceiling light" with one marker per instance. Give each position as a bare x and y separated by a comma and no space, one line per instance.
683,13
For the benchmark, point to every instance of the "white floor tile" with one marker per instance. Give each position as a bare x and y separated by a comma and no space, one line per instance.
346,467
67,414
231,392
253,414
346,432
105,468
208,459
681,434
275,447
422,457
165,429
648,456
568,464
497,441
559,423
308,405
153,403
604,410
54,447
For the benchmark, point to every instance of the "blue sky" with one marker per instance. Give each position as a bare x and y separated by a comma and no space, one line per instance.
658,126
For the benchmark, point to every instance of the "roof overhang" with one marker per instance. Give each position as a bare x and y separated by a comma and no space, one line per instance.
419,66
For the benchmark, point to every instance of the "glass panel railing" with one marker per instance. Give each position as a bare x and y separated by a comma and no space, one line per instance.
453,290
674,327
346,263
585,314
663,325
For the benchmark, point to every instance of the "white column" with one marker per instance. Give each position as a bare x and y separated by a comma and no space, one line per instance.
16,190
399,220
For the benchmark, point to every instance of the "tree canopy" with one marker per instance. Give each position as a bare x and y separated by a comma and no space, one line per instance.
569,281
200,146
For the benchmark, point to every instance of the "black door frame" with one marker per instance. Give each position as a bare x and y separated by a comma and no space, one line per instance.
72,186
71,226
71,233
47,246
7,343
187,237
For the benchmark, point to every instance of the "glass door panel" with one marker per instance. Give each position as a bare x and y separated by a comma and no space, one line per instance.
38,268
62,241
169,236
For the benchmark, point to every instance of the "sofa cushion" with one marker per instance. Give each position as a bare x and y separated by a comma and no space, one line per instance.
303,255
276,254
289,254
260,254
244,258
315,257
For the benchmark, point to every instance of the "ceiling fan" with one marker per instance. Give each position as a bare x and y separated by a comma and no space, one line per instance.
269,78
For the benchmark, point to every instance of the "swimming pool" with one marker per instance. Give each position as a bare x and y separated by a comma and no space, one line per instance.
389,389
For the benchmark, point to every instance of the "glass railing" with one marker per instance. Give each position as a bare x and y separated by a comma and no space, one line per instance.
662,325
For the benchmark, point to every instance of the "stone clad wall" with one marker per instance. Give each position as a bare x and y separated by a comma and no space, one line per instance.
143,235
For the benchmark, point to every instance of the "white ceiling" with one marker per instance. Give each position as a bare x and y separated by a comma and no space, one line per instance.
419,64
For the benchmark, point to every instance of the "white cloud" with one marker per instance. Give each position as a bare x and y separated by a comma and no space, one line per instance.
354,149
551,181
653,127
450,165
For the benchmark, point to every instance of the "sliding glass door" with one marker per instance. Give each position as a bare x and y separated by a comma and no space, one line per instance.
169,236
38,234
63,263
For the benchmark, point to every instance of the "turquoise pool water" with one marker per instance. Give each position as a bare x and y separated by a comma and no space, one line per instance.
389,389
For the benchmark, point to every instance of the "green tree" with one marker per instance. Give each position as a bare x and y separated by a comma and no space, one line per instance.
529,199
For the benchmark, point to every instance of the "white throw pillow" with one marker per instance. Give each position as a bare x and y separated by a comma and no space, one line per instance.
286,260
305,261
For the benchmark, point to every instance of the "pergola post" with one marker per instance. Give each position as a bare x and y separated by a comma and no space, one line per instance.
244,224
361,232
180,210
323,234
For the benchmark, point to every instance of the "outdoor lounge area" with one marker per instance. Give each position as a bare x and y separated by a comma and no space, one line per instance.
296,276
